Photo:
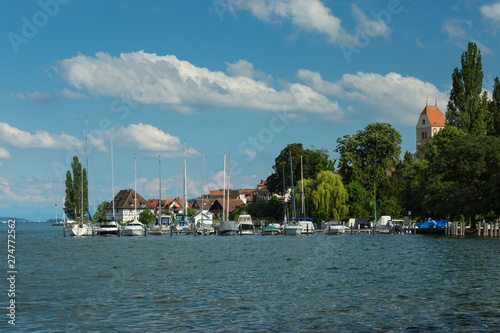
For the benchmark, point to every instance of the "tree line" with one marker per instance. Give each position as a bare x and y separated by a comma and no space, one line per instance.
454,175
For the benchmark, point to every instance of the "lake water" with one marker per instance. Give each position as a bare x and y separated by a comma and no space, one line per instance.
252,283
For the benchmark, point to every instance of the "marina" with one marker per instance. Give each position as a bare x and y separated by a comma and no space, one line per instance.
409,283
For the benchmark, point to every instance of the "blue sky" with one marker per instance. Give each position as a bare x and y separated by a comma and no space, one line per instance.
246,76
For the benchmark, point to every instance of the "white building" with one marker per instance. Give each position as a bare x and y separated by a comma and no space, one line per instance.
125,209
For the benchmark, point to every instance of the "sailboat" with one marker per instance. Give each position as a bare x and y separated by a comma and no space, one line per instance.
227,227
291,227
305,222
82,229
134,228
112,228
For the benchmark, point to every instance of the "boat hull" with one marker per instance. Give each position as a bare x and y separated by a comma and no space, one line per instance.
292,230
80,230
334,230
228,228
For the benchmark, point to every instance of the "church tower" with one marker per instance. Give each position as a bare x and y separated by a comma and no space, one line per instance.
430,122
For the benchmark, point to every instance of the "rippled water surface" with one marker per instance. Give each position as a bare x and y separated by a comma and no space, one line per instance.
253,283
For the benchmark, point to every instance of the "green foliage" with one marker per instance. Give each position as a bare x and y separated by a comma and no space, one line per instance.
468,105
190,211
314,161
146,216
100,215
366,156
326,196
493,113
360,203
260,209
73,183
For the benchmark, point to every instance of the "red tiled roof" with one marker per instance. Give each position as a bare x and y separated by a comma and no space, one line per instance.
436,117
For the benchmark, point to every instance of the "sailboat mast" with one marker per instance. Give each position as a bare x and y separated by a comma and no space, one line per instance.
135,188
202,187
81,176
224,190
228,181
184,189
302,182
284,193
87,162
159,202
112,180
293,189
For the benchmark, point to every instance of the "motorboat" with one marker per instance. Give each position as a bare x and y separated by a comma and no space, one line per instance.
81,229
307,225
334,228
271,230
292,228
110,229
245,225
134,228
228,228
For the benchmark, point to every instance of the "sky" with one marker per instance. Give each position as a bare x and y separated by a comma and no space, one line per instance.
247,77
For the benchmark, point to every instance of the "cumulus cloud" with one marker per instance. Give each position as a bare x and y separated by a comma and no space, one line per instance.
391,97
491,12
314,17
28,190
456,28
151,79
45,140
146,137
41,97
4,153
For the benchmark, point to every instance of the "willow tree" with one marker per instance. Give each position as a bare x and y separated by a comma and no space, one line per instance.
468,104
326,196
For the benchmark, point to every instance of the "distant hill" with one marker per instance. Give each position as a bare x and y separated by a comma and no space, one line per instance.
18,219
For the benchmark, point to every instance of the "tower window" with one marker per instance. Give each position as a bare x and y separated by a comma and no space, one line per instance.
423,121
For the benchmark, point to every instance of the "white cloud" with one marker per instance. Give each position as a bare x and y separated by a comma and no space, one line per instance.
491,12
152,79
41,97
65,93
149,138
314,17
28,190
18,95
456,28
41,139
4,153
45,140
392,98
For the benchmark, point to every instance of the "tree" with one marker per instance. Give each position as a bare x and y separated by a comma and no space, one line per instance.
326,196
493,113
314,161
100,215
73,202
366,156
146,216
467,105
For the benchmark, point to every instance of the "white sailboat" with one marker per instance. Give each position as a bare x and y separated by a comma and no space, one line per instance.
134,228
305,222
112,228
291,227
82,228
227,227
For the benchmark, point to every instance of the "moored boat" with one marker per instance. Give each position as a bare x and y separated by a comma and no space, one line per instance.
228,228
110,229
334,228
245,225
134,228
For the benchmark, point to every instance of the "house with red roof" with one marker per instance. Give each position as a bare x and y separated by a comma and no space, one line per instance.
430,122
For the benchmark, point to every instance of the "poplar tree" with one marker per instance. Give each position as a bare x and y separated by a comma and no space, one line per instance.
73,201
467,105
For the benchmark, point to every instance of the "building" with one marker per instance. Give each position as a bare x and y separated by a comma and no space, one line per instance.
125,210
430,122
